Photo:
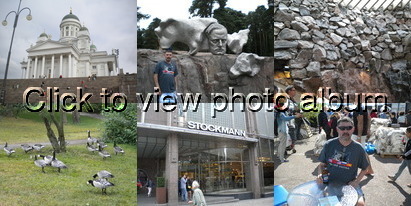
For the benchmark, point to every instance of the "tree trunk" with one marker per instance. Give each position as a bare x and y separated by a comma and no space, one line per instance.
60,130
76,117
64,118
50,133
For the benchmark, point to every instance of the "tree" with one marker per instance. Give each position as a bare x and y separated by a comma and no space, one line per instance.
148,37
141,16
261,37
201,8
121,127
232,19
204,8
49,118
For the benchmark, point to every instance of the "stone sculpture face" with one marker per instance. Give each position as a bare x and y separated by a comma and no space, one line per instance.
217,41
200,34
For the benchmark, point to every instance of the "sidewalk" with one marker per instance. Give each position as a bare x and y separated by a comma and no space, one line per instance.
143,200
378,191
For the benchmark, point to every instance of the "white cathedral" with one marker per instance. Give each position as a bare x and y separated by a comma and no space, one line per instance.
72,55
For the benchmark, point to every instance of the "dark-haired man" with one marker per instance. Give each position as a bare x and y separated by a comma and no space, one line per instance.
343,157
165,78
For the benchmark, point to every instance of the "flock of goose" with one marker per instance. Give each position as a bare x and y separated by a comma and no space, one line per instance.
93,144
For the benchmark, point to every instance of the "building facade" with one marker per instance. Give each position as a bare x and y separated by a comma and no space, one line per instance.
230,155
73,55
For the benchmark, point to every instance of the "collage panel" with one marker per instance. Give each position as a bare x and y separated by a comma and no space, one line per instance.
68,118
342,101
230,156
205,116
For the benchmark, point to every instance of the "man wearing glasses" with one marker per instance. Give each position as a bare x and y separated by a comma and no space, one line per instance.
343,157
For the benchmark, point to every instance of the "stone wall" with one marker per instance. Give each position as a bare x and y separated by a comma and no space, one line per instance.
126,84
350,51
204,73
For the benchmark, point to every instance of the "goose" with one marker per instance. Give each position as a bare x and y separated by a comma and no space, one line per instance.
100,183
103,153
103,174
40,162
91,148
57,163
8,150
90,139
26,148
118,149
38,147
101,143
47,158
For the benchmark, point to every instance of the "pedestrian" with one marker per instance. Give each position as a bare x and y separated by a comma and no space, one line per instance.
362,124
323,123
283,129
183,187
333,124
408,119
165,78
198,196
393,118
294,125
406,158
189,187
149,185
343,157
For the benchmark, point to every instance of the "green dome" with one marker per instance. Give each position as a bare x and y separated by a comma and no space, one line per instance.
43,35
93,46
70,16
83,28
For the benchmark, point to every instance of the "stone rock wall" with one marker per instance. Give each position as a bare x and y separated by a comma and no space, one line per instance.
204,73
350,51
125,84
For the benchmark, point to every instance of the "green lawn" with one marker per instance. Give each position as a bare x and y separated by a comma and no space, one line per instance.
29,128
23,183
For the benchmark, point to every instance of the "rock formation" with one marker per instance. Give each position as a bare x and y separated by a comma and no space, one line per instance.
325,44
204,73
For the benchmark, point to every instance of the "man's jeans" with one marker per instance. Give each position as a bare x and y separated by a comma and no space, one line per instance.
184,194
404,163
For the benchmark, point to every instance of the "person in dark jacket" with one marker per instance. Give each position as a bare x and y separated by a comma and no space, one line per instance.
406,158
323,123
189,189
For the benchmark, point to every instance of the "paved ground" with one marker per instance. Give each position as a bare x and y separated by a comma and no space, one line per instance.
378,191
143,200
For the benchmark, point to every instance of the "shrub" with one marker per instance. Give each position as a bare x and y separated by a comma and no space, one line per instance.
161,182
121,127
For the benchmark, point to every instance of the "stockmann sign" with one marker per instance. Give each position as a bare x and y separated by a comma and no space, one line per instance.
215,128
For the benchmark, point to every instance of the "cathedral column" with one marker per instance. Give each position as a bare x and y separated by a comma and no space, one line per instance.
42,66
23,74
35,68
69,66
106,70
88,73
74,68
61,66
52,67
28,68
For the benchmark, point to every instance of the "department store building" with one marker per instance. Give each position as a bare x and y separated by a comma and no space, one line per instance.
230,155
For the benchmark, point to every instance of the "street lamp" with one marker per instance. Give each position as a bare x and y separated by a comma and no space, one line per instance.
4,23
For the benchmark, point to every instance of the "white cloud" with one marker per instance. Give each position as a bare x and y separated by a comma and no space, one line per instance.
111,23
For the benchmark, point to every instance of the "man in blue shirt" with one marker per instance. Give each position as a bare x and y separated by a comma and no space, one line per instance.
183,187
343,157
165,78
